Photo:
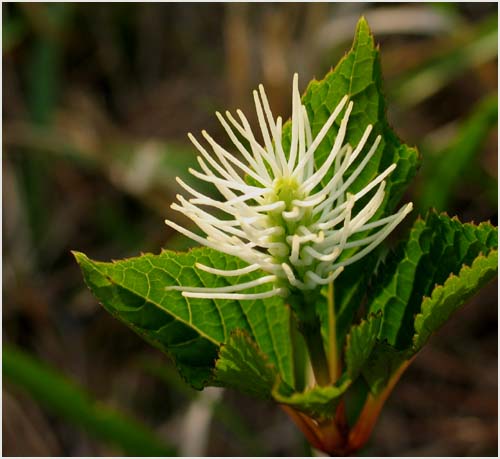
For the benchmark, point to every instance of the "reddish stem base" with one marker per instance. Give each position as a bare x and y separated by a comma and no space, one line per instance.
334,437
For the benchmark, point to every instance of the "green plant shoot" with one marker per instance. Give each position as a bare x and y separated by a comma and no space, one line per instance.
294,243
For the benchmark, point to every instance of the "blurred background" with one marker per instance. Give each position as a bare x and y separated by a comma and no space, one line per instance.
97,101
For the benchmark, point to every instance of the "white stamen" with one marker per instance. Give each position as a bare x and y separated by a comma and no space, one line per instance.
207,294
321,281
262,123
321,256
230,170
300,245
321,135
352,177
228,288
258,167
223,153
295,125
291,276
292,215
382,235
312,181
258,149
228,272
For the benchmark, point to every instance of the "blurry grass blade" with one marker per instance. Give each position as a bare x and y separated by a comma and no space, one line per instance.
45,62
435,74
442,175
43,81
64,398
13,32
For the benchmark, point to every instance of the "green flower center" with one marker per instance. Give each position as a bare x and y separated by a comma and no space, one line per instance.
287,189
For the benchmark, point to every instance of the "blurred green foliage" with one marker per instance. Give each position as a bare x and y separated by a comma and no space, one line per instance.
64,398
470,48
455,165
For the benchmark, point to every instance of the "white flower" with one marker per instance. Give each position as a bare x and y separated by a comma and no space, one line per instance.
287,218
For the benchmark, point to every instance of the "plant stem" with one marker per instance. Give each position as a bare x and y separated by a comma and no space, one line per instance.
300,356
312,335
305,424
333,357
309,326
322,436
362,430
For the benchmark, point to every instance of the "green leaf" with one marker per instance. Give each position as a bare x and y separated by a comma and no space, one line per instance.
190,330
447,298
64,398
360,342
436,248
350,288
358,75
384,361
242,365
319,401
441,265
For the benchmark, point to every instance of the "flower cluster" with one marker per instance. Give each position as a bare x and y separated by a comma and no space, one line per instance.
284,215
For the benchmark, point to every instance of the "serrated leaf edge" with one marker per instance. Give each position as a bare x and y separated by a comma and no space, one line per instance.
428,301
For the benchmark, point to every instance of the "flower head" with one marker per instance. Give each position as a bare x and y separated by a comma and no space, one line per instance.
282,214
